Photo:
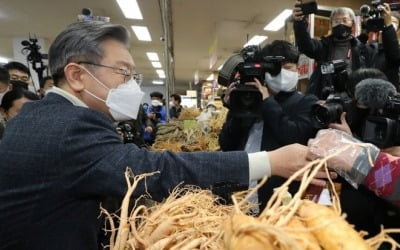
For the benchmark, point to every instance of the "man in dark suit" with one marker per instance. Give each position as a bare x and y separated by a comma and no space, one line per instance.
61,156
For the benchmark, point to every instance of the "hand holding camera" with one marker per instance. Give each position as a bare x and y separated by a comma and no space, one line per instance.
297,12
263,90
301,10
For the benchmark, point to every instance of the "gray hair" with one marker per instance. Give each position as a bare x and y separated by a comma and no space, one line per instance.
343,10
81,41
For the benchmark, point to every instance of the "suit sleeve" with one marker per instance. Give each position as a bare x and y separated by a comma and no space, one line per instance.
289,128
99,161
310,47
384,178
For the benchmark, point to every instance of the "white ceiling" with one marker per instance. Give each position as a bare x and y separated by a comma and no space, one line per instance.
196,24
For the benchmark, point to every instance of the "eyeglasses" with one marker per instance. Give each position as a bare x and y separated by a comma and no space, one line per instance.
338,21
125,72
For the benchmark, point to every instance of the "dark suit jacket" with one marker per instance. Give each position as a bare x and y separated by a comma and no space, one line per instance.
59,161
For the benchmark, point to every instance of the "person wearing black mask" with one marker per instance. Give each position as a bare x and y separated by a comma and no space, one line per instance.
339,44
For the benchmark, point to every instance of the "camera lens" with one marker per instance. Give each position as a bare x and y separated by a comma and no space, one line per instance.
326,113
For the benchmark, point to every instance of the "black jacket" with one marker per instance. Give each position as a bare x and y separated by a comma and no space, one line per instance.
287,120
174,112
323,51
387,55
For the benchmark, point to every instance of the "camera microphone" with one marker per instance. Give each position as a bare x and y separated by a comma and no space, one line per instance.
373,93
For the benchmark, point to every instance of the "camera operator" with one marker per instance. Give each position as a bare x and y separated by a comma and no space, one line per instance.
367,88
381,26
340,44
157,113
285,116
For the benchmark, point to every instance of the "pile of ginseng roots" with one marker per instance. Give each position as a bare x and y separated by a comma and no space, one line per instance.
173,137
191,218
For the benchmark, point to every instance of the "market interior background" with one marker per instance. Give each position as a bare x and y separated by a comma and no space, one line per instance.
201,35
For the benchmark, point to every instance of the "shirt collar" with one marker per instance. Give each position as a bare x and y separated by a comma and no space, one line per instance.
73,99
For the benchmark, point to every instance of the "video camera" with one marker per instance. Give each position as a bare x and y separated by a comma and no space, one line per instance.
127,131
337,100
157,111
373,14
245,100
383,129
34,56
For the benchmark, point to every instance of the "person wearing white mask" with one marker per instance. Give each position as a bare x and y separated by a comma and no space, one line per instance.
61,156
157,111
285,118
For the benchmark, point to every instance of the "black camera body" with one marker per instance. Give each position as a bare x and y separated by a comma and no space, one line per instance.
331,110
373,14
308,8
157,111
127,131
245,100
336,72
337,99
383,128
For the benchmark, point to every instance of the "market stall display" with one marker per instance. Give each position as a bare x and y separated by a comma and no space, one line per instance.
201,136
194,219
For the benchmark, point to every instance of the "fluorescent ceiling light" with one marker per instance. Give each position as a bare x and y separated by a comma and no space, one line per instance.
153,56
256,40
4,59
156,65
158,82
160,73
210,77
142,33
130,8
279,21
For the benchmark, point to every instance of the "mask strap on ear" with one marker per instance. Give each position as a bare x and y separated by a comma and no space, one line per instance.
95,78
94,96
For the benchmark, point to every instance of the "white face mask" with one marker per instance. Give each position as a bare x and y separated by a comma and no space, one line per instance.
156,103
171,104
284,81
123,101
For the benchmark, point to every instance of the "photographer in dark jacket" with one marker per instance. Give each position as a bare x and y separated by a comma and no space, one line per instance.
361,203
387,52
285,114
338,45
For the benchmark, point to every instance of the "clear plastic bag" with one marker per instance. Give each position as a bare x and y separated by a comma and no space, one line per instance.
349,157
